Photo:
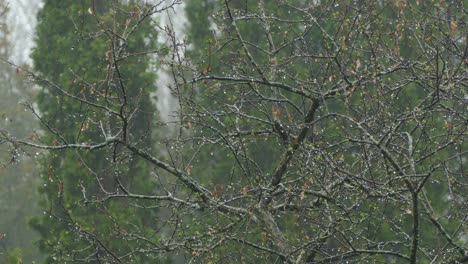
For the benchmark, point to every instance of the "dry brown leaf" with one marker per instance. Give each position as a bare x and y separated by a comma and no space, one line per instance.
276,112
448,125
207,69
358,64
343,248
453,26
60,188
214,192
343,42
245,191
249,214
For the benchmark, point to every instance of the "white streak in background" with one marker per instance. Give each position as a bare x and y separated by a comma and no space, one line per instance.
166,103
22,25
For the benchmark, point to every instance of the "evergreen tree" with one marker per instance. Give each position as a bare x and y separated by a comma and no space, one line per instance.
88,55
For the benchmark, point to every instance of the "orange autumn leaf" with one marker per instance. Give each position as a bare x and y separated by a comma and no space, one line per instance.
276,112
453,26
302,195
207,69
343,42
245,191
343,248
448,125
214,192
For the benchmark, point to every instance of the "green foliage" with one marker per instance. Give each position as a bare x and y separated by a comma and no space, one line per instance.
13,256
378,62
77,56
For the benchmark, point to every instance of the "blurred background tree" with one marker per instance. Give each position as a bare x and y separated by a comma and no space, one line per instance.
95,53
18,177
